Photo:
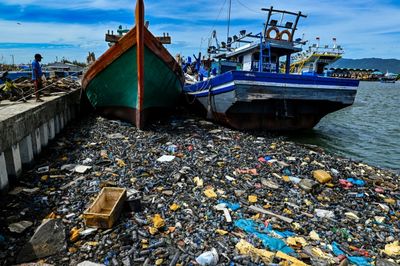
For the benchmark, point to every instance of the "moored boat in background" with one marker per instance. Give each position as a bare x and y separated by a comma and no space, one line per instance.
136,79
314,60
388,78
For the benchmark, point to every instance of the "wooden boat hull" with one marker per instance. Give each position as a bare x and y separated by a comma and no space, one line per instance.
111,84
252,100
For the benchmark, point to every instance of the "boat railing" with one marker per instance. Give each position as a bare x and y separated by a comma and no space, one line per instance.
338,50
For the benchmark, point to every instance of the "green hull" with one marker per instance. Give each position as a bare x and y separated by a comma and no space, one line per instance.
114,89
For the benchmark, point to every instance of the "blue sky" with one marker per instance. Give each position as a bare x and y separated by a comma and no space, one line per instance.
71,29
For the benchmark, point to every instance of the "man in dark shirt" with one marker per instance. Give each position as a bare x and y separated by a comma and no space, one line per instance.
37,75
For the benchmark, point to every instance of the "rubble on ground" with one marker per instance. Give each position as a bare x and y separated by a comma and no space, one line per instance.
200,194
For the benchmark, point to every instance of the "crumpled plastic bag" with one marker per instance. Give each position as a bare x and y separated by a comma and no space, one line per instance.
274,244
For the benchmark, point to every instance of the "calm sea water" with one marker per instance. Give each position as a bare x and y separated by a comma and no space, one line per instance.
369,130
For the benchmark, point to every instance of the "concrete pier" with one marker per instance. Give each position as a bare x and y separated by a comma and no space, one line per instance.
26,128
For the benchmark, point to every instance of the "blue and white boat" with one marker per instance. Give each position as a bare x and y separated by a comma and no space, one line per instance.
246,89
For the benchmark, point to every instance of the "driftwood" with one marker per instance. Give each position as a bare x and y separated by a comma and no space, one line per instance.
283,218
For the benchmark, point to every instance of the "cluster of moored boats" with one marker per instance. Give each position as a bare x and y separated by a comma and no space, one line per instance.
243,83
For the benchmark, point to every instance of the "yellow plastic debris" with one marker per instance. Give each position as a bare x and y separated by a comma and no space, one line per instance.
393,249
287,211
352,215
158,222
199,182
44,178
159,261
72,250
295,241
153,230
286,178
293,260
51,216
296,226
174,207
74,234
390,201
314,236
221,232
267,206
308,202
221,164
322,176
252,198
210,193
92,243
121,163
245,248
317,252
145,243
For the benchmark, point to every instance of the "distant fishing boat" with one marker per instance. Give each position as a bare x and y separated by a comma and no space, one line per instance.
388,78
136,79
241,84
314,60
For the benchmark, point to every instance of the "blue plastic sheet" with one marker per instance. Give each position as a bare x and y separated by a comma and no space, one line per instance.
357,182
267,158
272,243
230,205
360,261
284,234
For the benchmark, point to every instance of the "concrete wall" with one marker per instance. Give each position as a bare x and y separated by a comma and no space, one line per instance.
26,129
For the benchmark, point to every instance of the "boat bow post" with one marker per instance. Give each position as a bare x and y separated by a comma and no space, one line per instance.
139,17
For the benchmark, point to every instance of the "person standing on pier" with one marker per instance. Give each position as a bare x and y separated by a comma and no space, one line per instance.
37,76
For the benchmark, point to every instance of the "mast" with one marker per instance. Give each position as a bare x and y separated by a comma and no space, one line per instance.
139,17
229,19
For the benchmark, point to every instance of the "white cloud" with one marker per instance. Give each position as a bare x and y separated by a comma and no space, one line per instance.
75,4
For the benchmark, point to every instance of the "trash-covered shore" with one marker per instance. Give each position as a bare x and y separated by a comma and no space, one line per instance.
202,195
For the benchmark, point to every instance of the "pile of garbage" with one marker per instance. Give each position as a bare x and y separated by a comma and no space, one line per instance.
194,193
23,88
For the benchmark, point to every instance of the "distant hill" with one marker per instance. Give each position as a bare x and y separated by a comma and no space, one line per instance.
391,65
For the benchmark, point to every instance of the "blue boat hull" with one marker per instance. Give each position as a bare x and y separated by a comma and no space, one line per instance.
253,100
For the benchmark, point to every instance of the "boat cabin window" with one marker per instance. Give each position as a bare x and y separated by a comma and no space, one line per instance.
251,62
226,66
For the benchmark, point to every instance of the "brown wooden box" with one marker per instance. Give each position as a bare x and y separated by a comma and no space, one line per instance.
105,210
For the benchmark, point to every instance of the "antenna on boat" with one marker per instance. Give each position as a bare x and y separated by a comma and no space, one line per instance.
229,19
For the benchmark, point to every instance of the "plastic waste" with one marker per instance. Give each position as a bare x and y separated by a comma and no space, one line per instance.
324,213
272,243
245,248
322,176
392,249
209,258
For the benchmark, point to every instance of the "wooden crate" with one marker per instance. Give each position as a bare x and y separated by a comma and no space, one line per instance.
105,210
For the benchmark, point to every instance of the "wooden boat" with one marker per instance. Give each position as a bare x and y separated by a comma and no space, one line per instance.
244,87
135,79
